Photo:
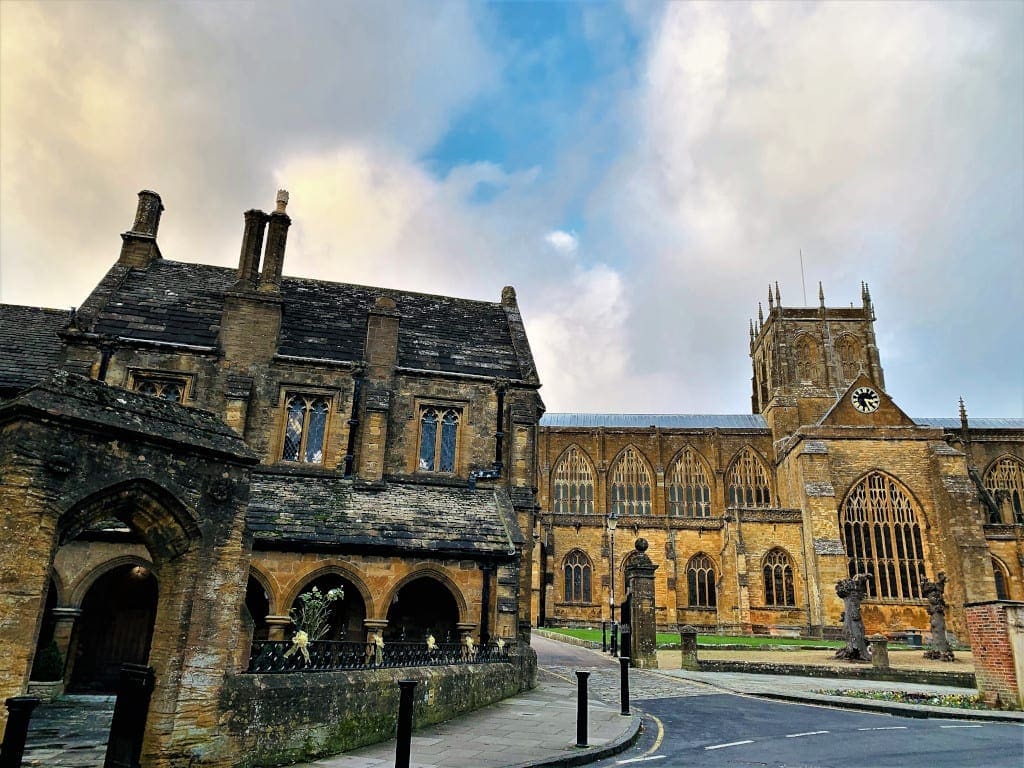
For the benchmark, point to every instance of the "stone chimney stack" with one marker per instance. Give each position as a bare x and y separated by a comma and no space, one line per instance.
277,237
252,244
138,246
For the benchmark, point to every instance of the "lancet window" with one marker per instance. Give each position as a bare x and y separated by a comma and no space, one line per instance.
848,355
578,575
439,433
808,361
778,579
700,580
305,428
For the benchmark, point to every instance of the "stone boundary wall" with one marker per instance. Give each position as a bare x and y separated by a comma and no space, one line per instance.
276,719
567,638
955,679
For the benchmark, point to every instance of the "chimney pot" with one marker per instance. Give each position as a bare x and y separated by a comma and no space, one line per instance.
147,214
282,200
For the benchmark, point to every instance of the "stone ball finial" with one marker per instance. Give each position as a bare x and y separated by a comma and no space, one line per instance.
282,200
641,545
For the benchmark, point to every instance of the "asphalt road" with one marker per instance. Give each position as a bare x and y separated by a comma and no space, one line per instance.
700,727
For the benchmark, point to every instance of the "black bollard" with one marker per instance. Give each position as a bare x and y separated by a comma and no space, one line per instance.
604,637
19,712
624,684
581,709
404,722
615,639
135,686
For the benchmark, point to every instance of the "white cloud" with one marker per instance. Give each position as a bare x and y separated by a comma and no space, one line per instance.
561,241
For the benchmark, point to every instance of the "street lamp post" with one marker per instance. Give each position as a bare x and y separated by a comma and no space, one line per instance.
612,521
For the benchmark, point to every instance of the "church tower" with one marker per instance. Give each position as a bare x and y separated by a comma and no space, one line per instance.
804,358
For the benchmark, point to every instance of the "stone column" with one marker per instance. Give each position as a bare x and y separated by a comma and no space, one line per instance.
688,647
640,586
63,630
277,627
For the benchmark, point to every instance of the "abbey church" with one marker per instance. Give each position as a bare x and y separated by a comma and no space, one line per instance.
245,436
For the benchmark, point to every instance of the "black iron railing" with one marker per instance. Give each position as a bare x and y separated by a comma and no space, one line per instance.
274,656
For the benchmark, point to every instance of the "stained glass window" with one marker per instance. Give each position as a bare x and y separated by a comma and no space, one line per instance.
778,579
748,481
1005,481
883,538
1000,576
689,490
630,485
700,578
305,428
573,483
439,437
578,576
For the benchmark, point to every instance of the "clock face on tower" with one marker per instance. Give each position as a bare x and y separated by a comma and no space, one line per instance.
865,399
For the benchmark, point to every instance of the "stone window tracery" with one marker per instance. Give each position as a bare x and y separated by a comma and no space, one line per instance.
630,485
749,485
573,484
578,575
165,389
778,579
883,538
439,436
808,361
848,355
700,580
1002,579
1005,481
689,489
305,428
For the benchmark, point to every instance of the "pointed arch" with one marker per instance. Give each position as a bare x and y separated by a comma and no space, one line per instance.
701,581
882,535
688,485
269,584
82,586
1004,479
777,570
1002,577
808,359
429,572
345,571
749,480
630,483
848,359
578,577
572,483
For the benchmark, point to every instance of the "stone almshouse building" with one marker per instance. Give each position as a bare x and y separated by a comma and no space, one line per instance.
754,518
392,434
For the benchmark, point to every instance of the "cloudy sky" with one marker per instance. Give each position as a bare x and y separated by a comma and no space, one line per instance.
639,171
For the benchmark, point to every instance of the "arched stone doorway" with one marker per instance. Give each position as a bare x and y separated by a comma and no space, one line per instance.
257,602
115,628
423,605
346,616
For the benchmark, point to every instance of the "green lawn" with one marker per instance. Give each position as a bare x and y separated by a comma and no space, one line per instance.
665,638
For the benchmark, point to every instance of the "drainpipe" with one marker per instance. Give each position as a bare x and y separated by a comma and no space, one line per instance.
353,421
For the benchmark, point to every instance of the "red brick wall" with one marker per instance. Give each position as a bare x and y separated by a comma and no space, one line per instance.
993,654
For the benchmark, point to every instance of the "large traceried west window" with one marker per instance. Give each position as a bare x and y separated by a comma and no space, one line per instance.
689,489
749,485
630,485
1005,481
572,484
808,360
883,538
778,579
578,575
700,581
305,428
848,356
439,433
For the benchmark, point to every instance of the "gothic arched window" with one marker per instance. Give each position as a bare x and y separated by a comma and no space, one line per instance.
848,356
808,360
305,428
778,579
748,481
689,490
1005,481
630,485
883,538
572,484
700,578
578,574
439,431
1002,579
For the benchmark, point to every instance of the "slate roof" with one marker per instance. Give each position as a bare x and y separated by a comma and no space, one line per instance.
179,303
329,513
77,398
954,423
29,345
661,420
